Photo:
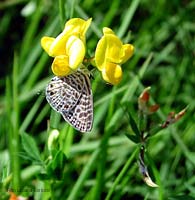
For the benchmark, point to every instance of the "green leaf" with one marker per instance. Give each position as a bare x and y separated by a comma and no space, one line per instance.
133,138
134,126
56,166
30,147
58,161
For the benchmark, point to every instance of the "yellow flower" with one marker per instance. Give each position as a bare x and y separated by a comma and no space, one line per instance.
110,54
68,47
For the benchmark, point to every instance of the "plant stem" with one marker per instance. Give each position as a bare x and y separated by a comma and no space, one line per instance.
103,152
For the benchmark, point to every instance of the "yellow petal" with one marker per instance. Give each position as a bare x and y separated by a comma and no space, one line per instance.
100,54
108,50
114,46
86,26
77,27
46,43
60,66
128,50
58,46
107,30
112,73
75,49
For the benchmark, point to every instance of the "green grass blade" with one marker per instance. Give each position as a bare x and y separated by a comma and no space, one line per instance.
128,17
62,12
121,174
31,30
14,140
74,193
29,118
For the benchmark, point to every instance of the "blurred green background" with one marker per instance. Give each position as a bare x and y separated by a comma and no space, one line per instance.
102,164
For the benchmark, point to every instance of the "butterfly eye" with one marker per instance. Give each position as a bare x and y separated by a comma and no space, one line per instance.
72,97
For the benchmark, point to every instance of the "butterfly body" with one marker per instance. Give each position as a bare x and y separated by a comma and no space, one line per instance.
72,97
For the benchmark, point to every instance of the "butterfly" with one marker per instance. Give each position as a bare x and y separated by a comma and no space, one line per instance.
72,97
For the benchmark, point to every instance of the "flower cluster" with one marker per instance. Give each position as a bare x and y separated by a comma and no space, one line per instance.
69,49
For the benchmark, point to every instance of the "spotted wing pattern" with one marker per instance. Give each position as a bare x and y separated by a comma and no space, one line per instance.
72,97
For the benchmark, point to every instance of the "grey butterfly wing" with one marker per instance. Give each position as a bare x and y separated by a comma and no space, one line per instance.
62,93
72,97
81,116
